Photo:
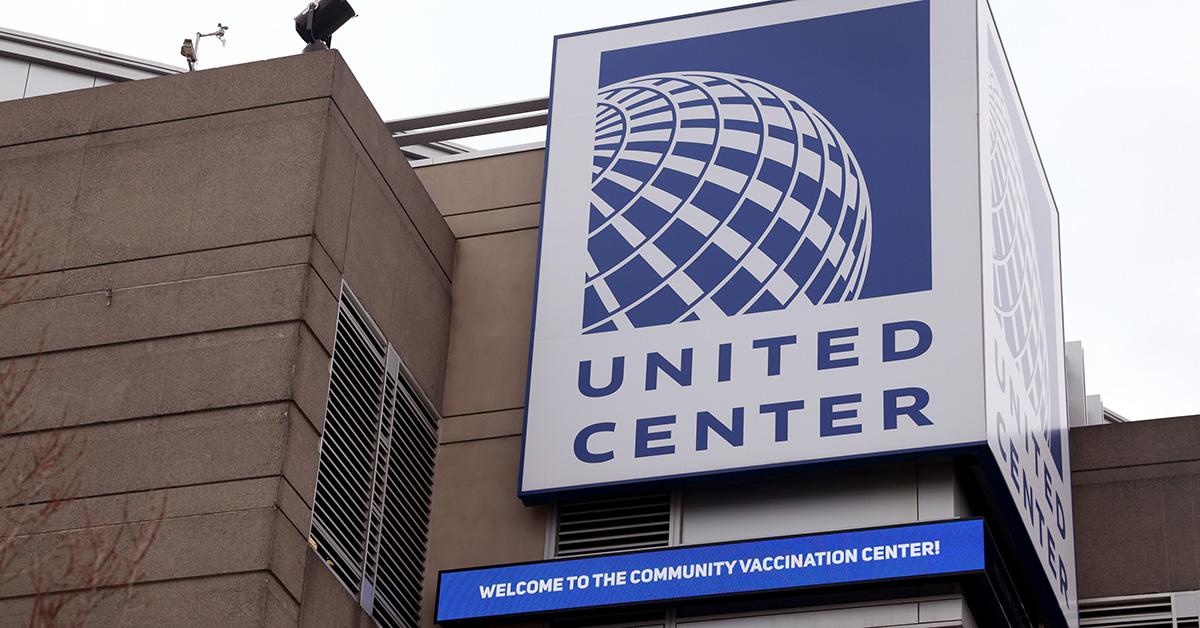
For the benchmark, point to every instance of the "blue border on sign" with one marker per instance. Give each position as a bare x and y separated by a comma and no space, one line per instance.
527,495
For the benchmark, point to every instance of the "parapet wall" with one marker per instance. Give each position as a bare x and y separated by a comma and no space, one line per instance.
187,237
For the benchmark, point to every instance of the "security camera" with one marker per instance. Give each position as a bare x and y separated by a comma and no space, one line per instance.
188,50
191,48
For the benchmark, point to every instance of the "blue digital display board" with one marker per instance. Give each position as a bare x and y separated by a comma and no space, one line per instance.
698,571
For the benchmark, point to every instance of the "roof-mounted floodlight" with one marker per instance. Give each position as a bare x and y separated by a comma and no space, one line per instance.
318,22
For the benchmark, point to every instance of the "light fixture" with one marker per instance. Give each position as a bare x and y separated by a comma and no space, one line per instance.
317,23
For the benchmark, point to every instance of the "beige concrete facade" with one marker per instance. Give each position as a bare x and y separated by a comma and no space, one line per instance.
1137,506
190,234
492,205
190,237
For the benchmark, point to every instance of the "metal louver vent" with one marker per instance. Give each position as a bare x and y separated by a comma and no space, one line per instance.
1165,610
613,525
375,474
403,506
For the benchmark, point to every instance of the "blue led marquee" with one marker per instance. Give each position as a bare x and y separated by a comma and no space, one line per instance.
949,547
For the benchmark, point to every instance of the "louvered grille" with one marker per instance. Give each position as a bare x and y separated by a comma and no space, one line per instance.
374,479
1142,611
344,474
613,525
405,511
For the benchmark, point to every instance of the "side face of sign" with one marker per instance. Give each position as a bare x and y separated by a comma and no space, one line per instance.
1023,335
759,244
951,547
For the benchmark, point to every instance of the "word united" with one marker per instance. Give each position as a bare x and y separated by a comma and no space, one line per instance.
835,415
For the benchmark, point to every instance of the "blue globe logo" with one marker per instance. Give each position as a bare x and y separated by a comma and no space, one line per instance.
716,195
1015,270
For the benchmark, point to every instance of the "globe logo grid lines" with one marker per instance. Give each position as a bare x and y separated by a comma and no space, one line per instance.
716,195
1018,299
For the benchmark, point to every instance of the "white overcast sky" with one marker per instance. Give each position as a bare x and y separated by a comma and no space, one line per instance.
1110,86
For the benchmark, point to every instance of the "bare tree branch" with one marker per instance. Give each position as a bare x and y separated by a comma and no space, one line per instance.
39,477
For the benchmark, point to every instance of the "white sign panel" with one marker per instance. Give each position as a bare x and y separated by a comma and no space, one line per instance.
798,232
1023,336
759,244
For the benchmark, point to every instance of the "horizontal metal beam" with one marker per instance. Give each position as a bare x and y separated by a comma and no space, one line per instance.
468,115
471,129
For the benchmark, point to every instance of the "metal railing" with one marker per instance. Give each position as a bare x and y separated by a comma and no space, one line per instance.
436,130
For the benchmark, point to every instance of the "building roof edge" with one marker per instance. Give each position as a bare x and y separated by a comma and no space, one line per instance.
86,59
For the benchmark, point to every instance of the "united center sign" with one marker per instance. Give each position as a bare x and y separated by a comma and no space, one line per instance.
791,233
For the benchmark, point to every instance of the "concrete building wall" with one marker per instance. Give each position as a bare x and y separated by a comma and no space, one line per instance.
1137,506
188,236
25,79
491,204
32,65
